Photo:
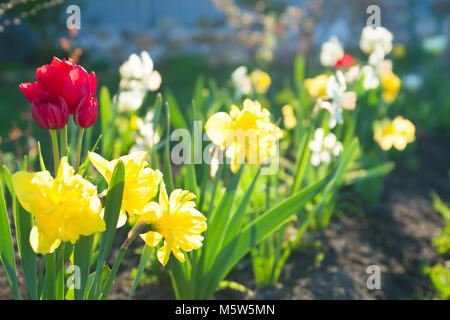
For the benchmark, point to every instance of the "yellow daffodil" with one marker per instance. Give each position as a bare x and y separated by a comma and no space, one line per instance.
317,87
391,85
398,133
261,81
244,134
63,208
141,182
289,119
176,220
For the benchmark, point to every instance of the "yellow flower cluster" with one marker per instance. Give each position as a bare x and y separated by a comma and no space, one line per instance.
261,81
68,206
244,134
391,85
317,87
63,208
176,219
289,119
398,133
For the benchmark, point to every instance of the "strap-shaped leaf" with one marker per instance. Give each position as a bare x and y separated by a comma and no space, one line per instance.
6,247
111,216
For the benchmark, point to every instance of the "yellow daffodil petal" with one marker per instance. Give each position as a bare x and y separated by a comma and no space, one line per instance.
151,238
41,243
32,189
103,166
217,127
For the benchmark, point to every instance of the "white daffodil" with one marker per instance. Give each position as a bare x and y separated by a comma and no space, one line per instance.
128,101
331,52
352,74
324,147
241,81
371,38
370,78
140,68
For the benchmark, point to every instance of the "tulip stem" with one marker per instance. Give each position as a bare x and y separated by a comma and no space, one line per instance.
54,137
79,147
63,141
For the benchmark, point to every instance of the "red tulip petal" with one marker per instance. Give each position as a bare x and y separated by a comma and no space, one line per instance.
32,92
76,87
93,79
50,79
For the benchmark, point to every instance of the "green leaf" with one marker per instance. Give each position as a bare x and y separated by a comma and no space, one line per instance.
105,116
6,248
255,232
112,211
82,255
177,117
167,167
145,258
361,175
41,159
91,279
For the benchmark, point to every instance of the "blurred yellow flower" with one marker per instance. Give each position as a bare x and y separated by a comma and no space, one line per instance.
399,51
391,85
177,221
134,122
141,182
317,87
398,133
289,119
63,208
261,81
246,133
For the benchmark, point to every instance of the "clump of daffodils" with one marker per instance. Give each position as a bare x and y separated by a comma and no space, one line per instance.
138,73
323,148
246,134
137,77
244,83
144,135
63,208
337,98
396,133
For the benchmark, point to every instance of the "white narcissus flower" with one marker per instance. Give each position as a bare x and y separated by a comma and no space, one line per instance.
128,101
324,147
371,38
352,74
331,52
140,68
370,78
241,81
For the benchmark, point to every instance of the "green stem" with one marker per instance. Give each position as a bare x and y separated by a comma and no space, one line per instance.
63,141
79,147
110,279
54,137
60,267
50,278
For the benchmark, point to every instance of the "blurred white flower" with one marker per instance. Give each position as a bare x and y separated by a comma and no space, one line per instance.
146,137
128,101
377,56
370,78
412,81
241,81
323,147
331,52
371,38
352,74
435,44
140,69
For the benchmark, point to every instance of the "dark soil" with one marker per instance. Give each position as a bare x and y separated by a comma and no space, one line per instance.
395,235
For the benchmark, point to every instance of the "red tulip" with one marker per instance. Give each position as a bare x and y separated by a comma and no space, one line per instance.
345,62
63,78
86,112
50,114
